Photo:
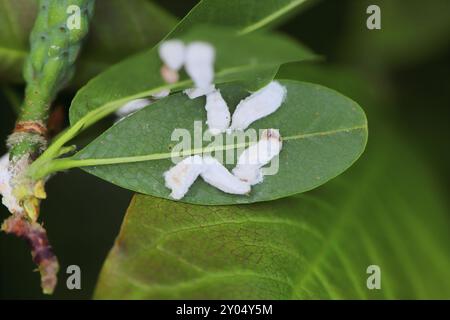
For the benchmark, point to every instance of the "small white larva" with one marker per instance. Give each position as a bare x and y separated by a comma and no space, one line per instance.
132,106
250,162
162,94
4,173
180,177
8,199
199,64
172,53
258,105
194,93
218,114
215,174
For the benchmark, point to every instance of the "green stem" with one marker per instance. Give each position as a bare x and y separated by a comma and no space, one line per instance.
52,166
71,162
91,118
49,66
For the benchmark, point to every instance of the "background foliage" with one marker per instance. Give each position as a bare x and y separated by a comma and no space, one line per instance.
392,205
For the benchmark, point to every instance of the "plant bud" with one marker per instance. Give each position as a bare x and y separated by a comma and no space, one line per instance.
258,105
250,162
218,176
218,115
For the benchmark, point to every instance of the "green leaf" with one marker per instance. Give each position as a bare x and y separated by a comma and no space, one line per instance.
314,246
244,16
241,58
120,29
12,97
323,131
410,32
16,21
109,40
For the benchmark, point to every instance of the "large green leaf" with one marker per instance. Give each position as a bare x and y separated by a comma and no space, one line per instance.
316,245
387,210
109,40
324,134
241,58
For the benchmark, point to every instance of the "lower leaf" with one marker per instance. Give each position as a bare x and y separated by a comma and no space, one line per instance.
316,245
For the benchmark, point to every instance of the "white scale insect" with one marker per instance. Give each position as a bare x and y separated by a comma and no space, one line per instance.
218,176
172,53
198,59
258,105
256,156
217,113
132,106
180,177
194,93
8,199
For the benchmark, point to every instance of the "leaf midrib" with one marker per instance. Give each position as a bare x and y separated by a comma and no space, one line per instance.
268,19
73,162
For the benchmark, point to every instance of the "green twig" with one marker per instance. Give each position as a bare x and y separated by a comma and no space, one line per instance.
49,66
55,45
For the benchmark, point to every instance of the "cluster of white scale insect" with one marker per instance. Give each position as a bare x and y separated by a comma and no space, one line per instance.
198,60
246,173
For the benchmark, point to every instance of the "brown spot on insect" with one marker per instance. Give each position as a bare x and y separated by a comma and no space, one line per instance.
169,75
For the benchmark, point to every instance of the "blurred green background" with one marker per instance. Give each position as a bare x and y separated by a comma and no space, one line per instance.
399,75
